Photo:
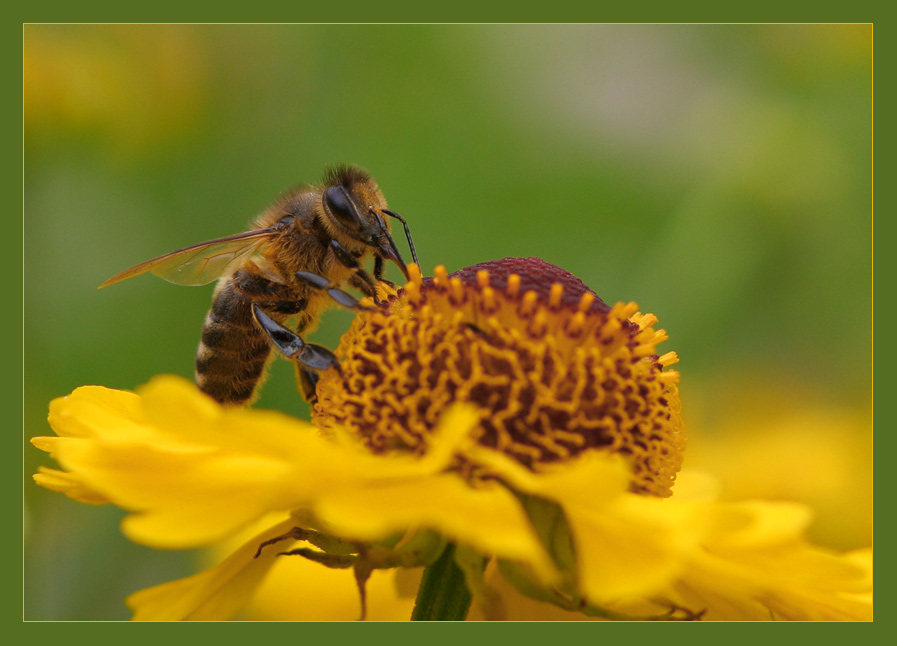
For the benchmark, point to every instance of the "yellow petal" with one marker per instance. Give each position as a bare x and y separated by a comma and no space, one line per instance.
634,546
185,498
625,544
488,518
195,471
756,524
302,590
69,484
593,479
766,560
215,594
785,586
732,561
92,410
177,409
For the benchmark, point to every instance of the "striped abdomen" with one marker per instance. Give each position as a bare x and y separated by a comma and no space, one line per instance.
233,351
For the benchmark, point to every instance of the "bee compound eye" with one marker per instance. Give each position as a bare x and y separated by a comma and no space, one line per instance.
340,206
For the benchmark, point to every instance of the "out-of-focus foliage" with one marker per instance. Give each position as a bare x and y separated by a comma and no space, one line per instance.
720,176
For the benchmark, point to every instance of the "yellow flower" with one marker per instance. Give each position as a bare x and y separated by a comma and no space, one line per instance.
501,422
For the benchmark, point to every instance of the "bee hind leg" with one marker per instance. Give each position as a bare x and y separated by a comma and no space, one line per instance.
309,355
308,383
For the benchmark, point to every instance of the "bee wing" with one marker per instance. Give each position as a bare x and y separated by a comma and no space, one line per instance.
201,263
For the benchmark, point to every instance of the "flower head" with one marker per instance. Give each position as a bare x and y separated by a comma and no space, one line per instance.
550,369
504,410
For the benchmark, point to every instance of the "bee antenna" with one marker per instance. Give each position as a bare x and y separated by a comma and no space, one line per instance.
398,217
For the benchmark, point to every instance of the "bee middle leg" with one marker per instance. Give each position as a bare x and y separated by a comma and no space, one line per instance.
270,295
319,282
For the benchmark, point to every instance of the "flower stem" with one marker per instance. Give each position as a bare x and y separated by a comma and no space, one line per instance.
443,595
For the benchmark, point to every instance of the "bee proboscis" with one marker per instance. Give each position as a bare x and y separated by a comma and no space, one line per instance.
287,268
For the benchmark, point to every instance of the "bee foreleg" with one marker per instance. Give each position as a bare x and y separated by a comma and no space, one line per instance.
291,345
379,266
360,278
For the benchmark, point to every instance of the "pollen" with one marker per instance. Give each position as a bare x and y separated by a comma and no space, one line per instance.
552,369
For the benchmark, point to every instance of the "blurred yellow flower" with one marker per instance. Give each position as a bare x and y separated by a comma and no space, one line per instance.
504,411
140,87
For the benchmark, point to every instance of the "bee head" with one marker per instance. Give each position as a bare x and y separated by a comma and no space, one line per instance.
352,207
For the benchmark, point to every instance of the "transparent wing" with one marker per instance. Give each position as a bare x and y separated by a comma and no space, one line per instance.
201,263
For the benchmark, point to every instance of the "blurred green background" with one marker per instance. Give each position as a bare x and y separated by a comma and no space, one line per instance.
720,176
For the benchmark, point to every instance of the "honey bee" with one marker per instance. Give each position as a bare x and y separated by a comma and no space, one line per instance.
287,268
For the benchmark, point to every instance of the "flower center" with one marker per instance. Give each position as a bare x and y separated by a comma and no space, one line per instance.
553,370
